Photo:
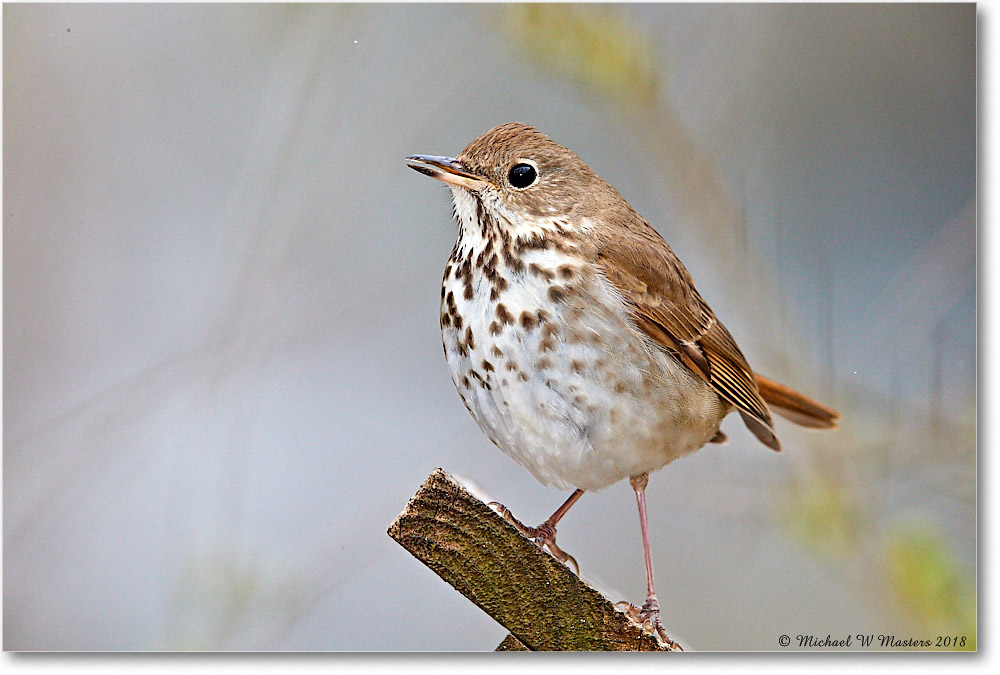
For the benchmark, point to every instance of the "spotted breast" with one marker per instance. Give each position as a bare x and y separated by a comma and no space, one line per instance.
549,363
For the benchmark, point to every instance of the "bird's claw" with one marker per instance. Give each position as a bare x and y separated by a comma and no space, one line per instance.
648,618
544,536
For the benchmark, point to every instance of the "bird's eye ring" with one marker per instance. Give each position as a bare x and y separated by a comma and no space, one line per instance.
522,175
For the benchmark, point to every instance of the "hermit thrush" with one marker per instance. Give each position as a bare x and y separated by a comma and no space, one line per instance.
575,336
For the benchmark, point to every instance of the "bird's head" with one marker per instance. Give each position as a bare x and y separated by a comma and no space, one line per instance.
518,176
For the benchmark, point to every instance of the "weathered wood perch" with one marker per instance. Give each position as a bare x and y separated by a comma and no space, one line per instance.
534,596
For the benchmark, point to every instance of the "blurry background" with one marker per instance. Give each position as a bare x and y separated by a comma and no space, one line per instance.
222,365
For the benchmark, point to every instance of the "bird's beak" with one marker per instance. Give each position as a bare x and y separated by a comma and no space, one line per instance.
446,169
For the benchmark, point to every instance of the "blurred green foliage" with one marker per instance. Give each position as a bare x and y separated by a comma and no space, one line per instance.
928,584
823,516
921,575
591,45
220,597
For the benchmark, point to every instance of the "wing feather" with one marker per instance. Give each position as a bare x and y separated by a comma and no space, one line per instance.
665,305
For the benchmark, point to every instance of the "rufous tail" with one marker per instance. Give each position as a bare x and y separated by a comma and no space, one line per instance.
795,407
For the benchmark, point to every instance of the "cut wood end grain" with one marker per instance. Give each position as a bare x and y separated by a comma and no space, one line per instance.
543,604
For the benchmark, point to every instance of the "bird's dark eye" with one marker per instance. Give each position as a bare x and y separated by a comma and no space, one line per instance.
522,176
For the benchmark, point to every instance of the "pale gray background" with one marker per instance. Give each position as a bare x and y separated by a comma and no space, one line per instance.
222,365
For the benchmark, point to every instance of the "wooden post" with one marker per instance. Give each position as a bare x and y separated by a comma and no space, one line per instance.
534,596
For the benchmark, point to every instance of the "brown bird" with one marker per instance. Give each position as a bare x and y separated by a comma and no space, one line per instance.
575,336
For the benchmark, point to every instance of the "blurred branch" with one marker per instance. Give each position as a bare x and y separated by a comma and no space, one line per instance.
538,599
592,46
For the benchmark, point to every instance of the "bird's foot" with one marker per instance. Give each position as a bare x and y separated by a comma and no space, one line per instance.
628,608
544,535
648,616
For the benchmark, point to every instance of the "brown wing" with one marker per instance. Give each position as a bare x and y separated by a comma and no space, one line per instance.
666,306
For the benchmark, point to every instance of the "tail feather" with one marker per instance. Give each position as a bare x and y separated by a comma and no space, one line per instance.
795,407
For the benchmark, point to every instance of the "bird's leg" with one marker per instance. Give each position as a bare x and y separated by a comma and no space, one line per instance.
649,614
545,534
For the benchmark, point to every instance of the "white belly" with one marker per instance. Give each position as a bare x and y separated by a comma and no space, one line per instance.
578,396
